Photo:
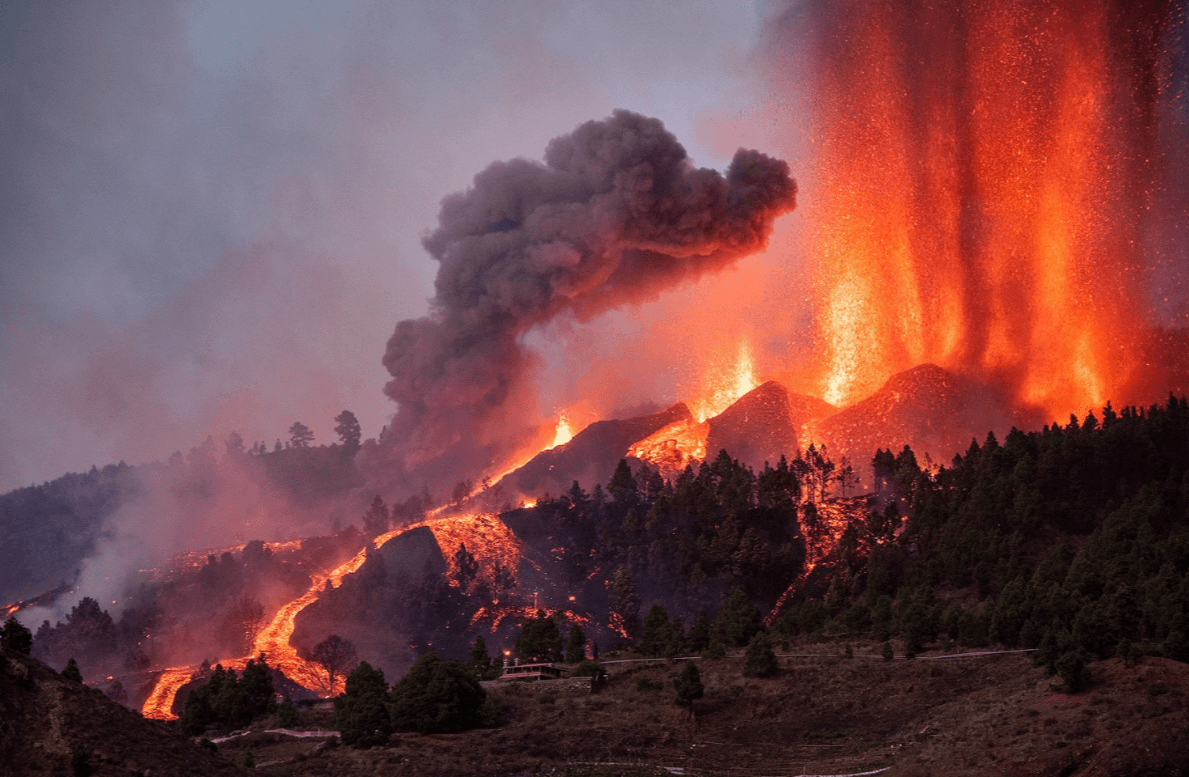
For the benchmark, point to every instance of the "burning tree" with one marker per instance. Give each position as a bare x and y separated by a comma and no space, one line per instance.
337,656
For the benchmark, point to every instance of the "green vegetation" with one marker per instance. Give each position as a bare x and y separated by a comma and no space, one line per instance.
228,702
760,660
539,640
361,713
438,696
689,685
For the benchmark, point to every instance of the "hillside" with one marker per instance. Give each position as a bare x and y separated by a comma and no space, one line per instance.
46,721
820,714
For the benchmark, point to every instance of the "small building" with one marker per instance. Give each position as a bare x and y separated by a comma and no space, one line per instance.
514,673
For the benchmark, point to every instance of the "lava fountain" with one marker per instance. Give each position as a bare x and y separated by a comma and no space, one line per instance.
980,178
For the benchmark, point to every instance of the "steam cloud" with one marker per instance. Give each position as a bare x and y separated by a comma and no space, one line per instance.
616,214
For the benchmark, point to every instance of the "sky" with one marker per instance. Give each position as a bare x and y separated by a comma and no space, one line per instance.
211,212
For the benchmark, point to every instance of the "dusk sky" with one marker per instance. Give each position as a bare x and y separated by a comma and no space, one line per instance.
211,212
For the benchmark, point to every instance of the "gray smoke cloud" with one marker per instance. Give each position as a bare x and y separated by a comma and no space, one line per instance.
614,215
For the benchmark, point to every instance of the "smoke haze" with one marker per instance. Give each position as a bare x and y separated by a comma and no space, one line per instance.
212,210
616,214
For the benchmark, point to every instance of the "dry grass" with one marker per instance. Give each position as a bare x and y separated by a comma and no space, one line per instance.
823,714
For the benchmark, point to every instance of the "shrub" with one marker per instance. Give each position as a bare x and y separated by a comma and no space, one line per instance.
715,650
647,684
688,685
437,696
71,672
1071,667
760,660
15,637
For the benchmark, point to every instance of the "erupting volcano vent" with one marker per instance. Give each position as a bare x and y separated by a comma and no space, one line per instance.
616,214
983,175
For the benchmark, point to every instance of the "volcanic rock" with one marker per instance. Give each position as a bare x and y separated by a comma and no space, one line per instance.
591,457
414,554
762,425
928,408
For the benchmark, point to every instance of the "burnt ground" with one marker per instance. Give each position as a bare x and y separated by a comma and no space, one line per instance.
822,714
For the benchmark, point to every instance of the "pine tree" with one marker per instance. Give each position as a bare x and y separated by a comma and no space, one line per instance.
71,672
361,712
438,696
348,429
738,619
654,633
698,638
539,639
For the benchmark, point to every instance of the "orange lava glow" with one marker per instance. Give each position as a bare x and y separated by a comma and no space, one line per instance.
723,383
979,197
487,538
564,432
496,613
674,447
159,705
820,543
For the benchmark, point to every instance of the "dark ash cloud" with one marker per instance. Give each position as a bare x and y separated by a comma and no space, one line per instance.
615,214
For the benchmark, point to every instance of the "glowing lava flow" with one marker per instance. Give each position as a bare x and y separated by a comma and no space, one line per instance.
680,444
673,447
486,536
821,541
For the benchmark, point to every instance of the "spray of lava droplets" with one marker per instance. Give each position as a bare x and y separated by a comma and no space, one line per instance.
983,175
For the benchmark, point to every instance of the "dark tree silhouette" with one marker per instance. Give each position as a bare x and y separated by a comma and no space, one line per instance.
689,686
575,645
539,639
376,519
348,430
361,712
300,435
337,656
438,695
15,637
71,672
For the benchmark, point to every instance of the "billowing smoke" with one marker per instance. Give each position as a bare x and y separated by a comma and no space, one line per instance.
614,215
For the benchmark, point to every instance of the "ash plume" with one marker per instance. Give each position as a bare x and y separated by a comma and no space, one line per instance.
615,214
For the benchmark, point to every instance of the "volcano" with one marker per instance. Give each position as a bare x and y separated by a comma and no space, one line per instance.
591,456
762,425
932,410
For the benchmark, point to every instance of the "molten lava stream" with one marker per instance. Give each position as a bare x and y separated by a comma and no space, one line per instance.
272,641
820,544
485,533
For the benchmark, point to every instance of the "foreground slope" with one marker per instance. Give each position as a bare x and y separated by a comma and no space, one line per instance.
45,720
